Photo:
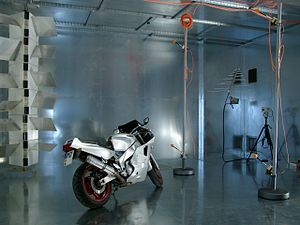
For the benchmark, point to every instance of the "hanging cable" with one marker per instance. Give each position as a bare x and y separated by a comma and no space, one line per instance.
270,48
252,9
223,132
236,75
191,71
280,105
229,9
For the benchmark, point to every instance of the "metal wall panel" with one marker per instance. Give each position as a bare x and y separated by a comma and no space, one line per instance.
93,3
219,62
142,7
247,119
262,93
290,90
107,80
60,14
233,33
259,94
105,18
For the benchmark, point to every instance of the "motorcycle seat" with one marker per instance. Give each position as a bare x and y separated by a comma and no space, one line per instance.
93,149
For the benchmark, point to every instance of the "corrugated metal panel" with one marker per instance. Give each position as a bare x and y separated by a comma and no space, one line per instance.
142,6
114,20
151,17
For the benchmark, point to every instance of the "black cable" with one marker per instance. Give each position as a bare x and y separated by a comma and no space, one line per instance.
223,137
223,134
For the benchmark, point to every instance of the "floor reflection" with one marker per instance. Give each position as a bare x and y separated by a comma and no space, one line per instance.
217,194
19,202
136,212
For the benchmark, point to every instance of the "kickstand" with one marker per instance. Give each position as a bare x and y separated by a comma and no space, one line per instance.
113,194
115,200
114,190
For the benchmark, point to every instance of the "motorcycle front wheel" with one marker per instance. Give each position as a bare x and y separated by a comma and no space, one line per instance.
86,187
155,175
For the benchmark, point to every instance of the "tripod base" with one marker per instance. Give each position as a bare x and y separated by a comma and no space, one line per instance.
187,171
273,194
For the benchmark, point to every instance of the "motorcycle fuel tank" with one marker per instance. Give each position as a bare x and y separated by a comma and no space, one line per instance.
121,142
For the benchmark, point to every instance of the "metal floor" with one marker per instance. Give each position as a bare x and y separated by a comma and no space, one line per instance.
217,194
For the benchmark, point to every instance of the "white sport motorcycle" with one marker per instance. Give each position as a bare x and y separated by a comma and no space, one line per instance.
126,159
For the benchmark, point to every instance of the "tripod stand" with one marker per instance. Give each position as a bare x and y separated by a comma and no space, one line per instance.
267,136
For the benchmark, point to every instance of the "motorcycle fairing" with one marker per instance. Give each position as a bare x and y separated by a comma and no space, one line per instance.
121,142
138,155
140,160
93,149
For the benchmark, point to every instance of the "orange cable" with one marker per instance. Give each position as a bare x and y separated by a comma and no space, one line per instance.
270,48
195,10
192,68
283,124
280,99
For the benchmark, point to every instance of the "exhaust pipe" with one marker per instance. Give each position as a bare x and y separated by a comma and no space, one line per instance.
108,169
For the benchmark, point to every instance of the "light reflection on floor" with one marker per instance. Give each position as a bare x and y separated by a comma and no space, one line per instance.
217,194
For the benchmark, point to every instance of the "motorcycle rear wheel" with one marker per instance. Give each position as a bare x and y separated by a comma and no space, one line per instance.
86,188
155,175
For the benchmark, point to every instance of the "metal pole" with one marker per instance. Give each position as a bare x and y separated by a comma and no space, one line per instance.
277,88
184,171
275,193
186,74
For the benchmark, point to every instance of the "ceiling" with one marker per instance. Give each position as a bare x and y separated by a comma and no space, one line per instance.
152,20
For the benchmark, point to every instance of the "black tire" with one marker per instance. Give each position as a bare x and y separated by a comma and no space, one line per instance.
155,175
85,187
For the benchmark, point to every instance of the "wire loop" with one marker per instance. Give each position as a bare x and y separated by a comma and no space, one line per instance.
186,20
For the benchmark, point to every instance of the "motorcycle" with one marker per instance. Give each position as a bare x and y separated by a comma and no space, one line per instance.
126,159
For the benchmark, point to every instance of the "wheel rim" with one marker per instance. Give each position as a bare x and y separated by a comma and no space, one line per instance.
92,189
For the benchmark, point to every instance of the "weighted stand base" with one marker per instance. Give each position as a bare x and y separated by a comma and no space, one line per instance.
271,194
187,171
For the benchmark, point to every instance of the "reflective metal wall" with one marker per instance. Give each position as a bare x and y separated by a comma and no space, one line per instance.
260,94
219,62
290,90
246,119
104,80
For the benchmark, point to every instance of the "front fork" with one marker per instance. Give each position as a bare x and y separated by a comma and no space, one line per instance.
154,161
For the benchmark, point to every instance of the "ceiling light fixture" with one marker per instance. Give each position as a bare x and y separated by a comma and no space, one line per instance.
208,22
225,4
